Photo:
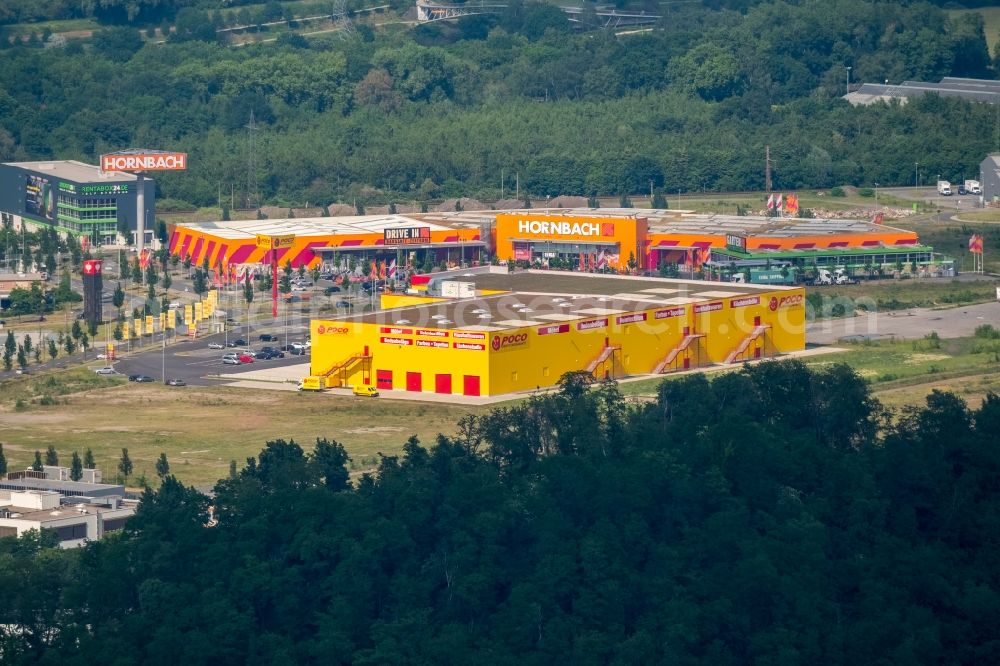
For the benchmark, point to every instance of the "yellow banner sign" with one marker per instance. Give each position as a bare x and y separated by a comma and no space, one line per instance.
137,323
274,242
149,324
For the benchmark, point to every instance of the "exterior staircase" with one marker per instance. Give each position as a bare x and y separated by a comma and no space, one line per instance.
675,352
342,366
757,332
605,354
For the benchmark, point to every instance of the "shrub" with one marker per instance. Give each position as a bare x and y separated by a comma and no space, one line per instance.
834,192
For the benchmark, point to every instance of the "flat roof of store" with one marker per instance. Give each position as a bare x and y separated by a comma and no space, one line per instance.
660,221
319,226
538,298
75,171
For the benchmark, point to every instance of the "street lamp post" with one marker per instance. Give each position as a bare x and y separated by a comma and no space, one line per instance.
915,165
848,68
876,197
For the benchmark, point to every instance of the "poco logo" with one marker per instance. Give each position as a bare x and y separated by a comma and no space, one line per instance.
784,301
321,329
503,341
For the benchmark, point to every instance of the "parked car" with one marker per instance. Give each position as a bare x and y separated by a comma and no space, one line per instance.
215,345
176,382
343,304
230,360
134,378
107,370
143,379
239,342
296,351
267,337
245,358
102,357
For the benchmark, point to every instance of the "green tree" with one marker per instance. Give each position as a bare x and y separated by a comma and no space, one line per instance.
248,291
53,349
162,466
3,462
22,357
125,465
76,468
37,464
118,298
136,272
51,457
27,343
166,281
199,284
88,459
330,460
76,330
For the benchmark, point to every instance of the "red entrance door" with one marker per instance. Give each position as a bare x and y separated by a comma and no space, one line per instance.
442,383
756,321
413,382
471,385
383,379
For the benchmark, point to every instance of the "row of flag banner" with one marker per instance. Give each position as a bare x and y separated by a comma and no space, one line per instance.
783,203
167,321
976,244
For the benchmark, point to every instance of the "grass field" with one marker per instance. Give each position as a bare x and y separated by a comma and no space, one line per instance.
905,294
905,372
991,23
200,429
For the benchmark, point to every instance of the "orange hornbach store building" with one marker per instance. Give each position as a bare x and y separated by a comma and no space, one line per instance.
593,240
524,330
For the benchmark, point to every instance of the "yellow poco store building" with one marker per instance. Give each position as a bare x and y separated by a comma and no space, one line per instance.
525,330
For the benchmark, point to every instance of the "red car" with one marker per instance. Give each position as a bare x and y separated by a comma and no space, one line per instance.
244,358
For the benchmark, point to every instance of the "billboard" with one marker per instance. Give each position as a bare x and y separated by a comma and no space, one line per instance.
39,198
274,242
151,161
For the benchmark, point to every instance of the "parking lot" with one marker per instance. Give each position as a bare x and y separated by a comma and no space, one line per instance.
196,364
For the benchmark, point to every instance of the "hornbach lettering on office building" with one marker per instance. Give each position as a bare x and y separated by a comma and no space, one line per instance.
145,162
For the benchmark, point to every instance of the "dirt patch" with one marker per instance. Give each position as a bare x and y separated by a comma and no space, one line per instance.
372,430
913,359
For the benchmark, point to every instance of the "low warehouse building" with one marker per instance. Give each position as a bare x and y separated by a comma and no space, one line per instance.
525,330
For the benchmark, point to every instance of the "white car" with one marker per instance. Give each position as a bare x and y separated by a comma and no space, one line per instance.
106,371
230,360
216,345
102,357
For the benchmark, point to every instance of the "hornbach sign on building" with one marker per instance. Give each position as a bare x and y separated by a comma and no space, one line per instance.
144,162
555,228
407,236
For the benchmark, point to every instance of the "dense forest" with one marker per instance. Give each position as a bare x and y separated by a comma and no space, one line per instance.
773,515
403,113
